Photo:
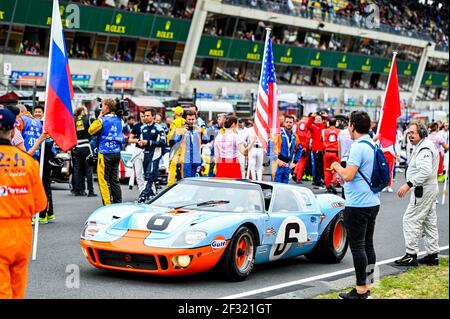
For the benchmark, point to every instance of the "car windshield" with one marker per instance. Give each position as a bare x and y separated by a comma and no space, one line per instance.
228,196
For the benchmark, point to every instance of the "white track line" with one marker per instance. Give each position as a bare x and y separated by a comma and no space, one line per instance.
309,279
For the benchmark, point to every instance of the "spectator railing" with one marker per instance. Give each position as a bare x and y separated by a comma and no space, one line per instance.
441,47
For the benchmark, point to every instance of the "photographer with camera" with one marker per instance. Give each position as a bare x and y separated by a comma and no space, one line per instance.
316,125
190,140
109,126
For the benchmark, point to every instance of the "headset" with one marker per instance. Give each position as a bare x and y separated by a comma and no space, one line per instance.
421,130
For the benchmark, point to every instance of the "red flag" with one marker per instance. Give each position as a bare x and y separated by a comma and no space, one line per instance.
267,123
58,120
387,128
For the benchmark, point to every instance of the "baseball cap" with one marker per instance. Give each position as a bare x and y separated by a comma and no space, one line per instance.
7,120
179,110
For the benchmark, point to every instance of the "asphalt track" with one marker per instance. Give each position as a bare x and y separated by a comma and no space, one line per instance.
60,261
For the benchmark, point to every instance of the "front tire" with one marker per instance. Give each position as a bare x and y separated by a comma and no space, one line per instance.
333,242
238,260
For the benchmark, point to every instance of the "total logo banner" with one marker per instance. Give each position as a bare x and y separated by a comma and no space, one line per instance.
13,190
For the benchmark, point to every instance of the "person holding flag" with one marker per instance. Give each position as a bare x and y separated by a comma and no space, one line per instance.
289,151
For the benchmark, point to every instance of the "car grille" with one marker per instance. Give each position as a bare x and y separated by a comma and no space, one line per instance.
129,261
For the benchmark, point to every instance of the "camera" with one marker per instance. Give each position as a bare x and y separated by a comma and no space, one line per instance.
122,107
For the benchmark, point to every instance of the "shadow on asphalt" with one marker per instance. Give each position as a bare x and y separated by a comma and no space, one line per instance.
211,276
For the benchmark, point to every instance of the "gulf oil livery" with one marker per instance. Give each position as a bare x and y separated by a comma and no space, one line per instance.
199,224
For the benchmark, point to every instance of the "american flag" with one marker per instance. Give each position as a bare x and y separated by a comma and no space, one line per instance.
267,124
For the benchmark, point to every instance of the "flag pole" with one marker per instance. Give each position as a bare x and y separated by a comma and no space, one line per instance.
41,162
385,92
268,31
444,191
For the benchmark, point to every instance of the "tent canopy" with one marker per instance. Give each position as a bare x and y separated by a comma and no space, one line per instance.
143,102
10,97
214,106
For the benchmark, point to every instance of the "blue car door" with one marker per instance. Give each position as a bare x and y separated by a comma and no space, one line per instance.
293,223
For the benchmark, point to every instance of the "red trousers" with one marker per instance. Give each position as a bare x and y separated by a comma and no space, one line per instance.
328,159
390,159
441,164
229,168
300,167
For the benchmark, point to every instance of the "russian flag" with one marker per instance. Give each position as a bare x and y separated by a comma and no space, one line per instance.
58,119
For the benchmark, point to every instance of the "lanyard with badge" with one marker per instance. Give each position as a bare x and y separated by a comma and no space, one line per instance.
289,141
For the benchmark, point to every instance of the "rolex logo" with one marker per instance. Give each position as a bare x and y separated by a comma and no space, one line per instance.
219,44
318,56
255,48
118,18
167,27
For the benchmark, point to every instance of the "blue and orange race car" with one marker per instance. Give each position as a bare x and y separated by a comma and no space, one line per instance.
201,223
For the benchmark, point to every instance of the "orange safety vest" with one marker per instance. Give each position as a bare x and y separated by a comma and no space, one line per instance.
21,191
330,139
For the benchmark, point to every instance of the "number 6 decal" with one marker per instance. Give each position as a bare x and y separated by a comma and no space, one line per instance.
158,222
292,230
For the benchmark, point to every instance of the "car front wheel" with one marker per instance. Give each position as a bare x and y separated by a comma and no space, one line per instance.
239,257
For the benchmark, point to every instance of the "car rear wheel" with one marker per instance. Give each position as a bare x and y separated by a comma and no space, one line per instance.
333,243
238,260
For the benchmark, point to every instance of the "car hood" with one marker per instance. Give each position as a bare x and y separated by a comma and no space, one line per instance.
161,221
165,227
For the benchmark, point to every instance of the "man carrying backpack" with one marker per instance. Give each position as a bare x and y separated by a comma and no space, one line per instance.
420,216
361,203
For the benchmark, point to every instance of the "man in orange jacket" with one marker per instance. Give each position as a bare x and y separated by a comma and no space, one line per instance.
21,196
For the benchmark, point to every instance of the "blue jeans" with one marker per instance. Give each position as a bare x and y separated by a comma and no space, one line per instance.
282,175
190,169
360,225
150,175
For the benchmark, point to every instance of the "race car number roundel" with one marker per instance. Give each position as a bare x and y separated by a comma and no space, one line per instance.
292,230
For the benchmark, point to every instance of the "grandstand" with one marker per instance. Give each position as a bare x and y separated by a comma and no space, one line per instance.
331,53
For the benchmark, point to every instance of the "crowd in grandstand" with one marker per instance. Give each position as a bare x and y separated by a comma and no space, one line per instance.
409,18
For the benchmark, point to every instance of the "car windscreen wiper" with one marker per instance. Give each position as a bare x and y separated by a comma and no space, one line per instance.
207,203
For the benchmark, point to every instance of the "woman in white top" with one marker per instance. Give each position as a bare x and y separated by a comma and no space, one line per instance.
226,147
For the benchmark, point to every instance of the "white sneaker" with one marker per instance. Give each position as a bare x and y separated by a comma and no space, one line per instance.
390,190
384,190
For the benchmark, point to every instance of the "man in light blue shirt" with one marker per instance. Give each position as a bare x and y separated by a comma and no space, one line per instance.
361,204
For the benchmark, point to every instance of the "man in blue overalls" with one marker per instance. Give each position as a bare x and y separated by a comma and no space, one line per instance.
289,151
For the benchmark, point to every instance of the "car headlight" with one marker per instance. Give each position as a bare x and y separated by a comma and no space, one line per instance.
194,236
91,229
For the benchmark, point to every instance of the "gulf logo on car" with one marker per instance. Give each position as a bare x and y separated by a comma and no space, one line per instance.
218,242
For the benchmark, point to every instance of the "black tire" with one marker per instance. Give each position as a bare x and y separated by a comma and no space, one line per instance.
235,268
333,242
